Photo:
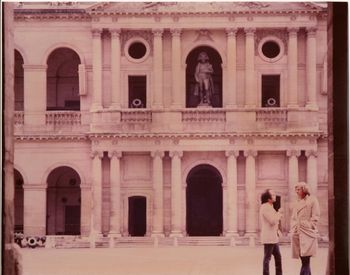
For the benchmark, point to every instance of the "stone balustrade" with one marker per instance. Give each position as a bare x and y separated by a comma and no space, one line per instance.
271,115
18,117
137,116
63,118
203,115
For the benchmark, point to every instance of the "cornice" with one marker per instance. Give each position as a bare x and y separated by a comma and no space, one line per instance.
51,138
51,16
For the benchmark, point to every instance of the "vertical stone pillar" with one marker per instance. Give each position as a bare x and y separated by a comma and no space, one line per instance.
86,206
311,170
35,84
157,229
250,79
97,69
293,178
251,205
232,196
176,200
115,214
158,68
231,68
311,68
293,67
97,192
34,205
176,67
115,68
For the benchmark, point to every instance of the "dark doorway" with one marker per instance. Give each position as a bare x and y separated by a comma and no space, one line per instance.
192,98
137,216
72,220
18,202
204,202
270,89
137,91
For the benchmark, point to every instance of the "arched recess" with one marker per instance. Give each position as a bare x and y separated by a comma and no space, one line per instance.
63,202
192,94
18,201
63,80
204,201
19,81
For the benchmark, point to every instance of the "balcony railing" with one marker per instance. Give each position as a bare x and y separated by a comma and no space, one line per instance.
272,115
136,116
63,118
19,118
203,115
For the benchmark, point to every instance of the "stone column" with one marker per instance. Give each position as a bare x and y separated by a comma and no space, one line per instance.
311,68
115,68
176,200
293,178
176,67
232,197
250,79
97,69
157,193
115,214
251,205
293,67
86,206
311,170
231,68
97,192
35,84
158,68
34,204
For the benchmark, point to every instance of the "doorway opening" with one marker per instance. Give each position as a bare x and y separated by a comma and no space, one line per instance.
137,216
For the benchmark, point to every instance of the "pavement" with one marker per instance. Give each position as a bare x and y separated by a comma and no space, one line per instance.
197,260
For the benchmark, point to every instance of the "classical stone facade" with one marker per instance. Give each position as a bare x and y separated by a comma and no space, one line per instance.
167,120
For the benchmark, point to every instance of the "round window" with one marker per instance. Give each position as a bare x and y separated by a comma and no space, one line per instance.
137,50
271,49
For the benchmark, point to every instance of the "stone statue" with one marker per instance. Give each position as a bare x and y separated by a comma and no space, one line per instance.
203,76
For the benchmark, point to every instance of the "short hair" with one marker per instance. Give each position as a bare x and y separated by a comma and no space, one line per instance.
304,187
266,196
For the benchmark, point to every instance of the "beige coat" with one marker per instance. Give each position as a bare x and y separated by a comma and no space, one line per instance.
306,214
269,219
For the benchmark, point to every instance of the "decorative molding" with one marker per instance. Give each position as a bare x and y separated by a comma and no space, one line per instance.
279,33
176,154
115,33
311,31
252,153
96,33
250,141
34,67
231,32
96,153
176,32
51,137
309,153
294,153
234,153
126,35
157,153
203,35
249,31
157,32
292,31
117,154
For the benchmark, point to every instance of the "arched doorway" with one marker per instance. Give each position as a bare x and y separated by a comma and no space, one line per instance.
63,80
137,216
192,96
19,196
63,202
19,82
204,202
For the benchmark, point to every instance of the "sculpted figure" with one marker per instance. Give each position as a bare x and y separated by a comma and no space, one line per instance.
203,76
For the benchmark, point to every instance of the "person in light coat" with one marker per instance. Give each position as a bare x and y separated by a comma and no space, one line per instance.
269,220
305,216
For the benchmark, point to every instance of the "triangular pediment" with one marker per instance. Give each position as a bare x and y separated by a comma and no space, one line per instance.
202,7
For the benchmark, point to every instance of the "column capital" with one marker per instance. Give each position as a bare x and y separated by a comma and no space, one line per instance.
252,153
292,31
115,33
293,153
231,32
230,153
309,153
176,154
157,153
157,32
96,153
117,154
249,31
96,33
311,31
176,32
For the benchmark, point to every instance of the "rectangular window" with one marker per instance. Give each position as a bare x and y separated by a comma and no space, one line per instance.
270,91
137,91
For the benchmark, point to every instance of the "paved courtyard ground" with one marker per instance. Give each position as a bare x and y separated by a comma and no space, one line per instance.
160,261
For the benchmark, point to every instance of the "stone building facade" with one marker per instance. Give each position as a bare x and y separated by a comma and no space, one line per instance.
116,135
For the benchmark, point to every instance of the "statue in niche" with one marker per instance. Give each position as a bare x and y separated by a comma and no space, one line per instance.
203,75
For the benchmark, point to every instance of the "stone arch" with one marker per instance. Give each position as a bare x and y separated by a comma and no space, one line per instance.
22,52
56,46
60,164
63,202
193,96
63,79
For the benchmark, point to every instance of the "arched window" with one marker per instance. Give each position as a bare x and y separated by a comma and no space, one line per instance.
63,80
210,77
18,202
19,82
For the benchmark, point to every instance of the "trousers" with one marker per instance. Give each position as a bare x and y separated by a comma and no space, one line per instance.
272,249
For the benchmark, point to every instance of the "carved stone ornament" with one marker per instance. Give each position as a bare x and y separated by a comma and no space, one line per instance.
279,33
117,154
252,153
157,154
178,154
145,34
234,153
203,35
253,5
98,154
294,153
